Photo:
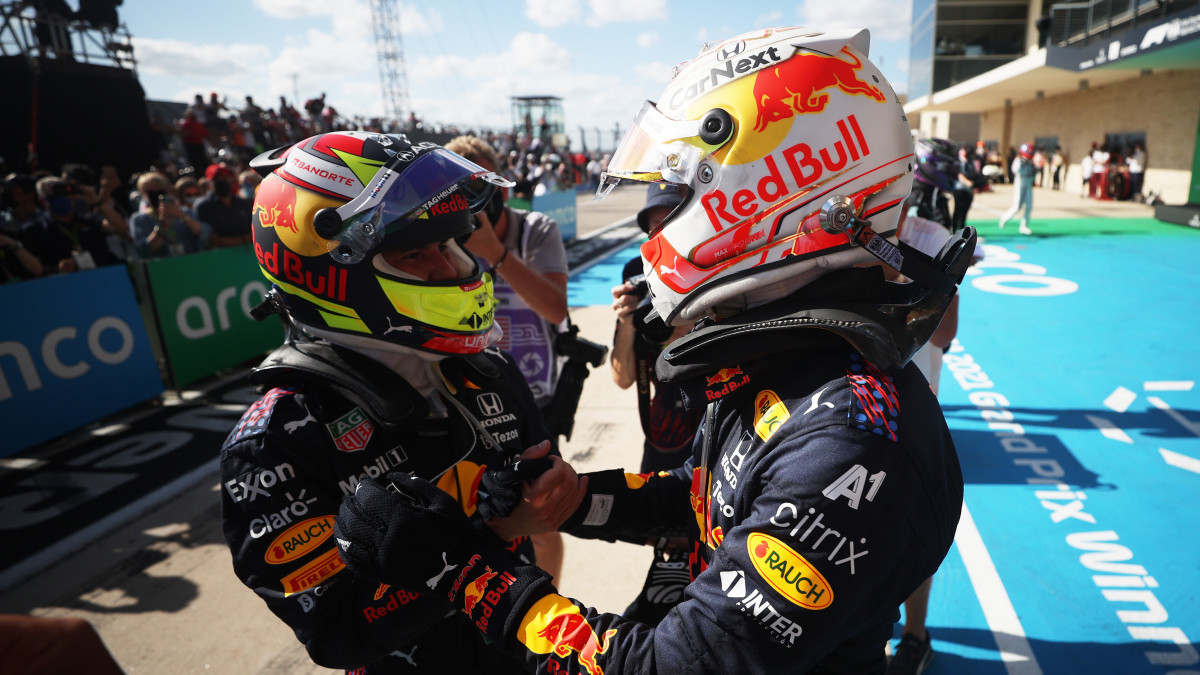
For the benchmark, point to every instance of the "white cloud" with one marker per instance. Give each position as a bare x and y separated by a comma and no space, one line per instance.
887,19
175,58
768,19
475,91
553,13
655,71
352,17
648,39
637,11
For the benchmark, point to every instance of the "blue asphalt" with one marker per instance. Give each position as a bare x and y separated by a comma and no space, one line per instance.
1072,395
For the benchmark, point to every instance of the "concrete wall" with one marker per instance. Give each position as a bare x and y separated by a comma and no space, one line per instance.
1166,106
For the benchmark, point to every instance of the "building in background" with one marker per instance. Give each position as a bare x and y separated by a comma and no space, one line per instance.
1115,72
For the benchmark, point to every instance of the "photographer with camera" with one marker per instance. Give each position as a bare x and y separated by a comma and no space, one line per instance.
162,226
524,252
668,426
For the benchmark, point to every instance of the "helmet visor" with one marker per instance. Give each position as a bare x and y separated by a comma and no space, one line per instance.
656,148
437,181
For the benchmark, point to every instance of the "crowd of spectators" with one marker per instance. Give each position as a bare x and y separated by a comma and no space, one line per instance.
1114,173
199,191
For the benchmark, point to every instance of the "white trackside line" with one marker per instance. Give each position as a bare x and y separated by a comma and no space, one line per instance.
1183,421
993,599
1167,385
1120,399
1108,429
1182,461
72,543
21,463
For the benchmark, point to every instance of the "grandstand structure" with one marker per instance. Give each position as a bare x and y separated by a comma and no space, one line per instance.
56,63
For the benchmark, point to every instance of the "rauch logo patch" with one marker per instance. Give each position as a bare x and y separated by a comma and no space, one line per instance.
299,540
788,572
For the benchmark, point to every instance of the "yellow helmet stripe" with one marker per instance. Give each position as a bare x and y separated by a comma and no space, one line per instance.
335,308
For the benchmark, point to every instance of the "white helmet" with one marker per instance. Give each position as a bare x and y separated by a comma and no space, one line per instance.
765,129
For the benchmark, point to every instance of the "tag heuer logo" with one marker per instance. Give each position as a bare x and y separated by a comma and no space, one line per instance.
351,431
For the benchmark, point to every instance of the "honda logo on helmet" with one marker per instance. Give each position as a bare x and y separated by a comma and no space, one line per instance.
729,52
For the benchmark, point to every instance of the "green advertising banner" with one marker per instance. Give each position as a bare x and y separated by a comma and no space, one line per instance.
1194,191
202,303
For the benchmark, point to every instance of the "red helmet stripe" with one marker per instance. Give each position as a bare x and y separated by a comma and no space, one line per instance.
308,186
327,143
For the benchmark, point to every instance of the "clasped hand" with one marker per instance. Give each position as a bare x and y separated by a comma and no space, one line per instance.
404,533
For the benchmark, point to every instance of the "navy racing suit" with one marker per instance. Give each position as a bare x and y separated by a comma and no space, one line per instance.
328,419
822,491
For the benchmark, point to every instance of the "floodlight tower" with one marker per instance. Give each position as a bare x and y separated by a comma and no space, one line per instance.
390,50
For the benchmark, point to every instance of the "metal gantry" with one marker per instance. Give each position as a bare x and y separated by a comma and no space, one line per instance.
389,48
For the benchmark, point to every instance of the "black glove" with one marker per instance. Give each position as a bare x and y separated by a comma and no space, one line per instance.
411,535
500,488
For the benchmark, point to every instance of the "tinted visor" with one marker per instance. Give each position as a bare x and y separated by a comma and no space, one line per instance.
436,183
656,148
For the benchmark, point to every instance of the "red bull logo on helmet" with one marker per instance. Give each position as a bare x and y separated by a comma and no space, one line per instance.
275,205
798,85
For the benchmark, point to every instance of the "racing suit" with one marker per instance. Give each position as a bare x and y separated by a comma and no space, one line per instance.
821,492
329,418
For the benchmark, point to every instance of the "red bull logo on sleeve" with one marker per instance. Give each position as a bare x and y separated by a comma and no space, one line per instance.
555,626
798,85
473,592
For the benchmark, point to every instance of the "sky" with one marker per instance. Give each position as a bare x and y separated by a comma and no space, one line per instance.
464,59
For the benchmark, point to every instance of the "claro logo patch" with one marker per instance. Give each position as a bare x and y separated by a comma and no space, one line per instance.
788,572
299,540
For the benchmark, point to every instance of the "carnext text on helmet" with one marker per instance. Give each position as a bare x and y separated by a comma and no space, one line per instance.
805,167
730,71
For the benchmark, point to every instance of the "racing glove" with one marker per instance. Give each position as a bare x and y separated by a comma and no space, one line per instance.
412,535
500,487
